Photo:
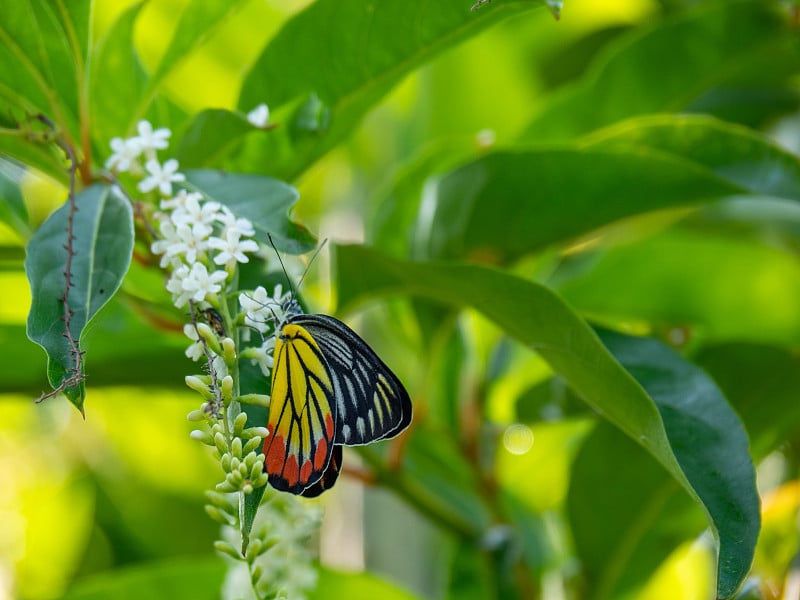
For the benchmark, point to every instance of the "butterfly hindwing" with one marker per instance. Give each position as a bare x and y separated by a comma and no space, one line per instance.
302,415
328,478
370,402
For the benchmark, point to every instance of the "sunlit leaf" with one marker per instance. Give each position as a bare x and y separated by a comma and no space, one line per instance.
369,59
355,586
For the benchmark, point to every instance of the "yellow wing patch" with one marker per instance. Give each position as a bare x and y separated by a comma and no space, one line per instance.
301,423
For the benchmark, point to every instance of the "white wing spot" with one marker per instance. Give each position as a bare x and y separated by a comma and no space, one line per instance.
371,416
360,427
346,432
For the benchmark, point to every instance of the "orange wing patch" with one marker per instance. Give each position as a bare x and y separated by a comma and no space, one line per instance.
302,421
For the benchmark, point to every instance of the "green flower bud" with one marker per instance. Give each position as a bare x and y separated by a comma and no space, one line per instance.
253,550
235,479
251,445
254,399
221,443
198,385
227,388
226,487
202,436
197,415
228,352
228,549
261,481
217,515
250,432
256,573
220,501
247,488
238,423
256,470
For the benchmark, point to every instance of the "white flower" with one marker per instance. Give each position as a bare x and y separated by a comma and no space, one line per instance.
199,283
180,296
193,213
150,141
231,249
196,350
178,202
260,309
230,221
259,116
161,177
264,355
125,154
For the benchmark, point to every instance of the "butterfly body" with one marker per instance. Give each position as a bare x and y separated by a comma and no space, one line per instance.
329,389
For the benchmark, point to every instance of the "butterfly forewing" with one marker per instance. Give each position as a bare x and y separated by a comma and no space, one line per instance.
302,415
371,403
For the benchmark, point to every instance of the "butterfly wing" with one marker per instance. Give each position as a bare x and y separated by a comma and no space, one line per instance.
302,414
371,403
328,478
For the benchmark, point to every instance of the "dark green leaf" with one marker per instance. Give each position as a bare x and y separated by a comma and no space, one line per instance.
194,579
369,59
710,444
102,231
211,135
671,65
263,200
539,319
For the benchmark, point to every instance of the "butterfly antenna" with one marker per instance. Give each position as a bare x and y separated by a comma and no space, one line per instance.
310,262
280,260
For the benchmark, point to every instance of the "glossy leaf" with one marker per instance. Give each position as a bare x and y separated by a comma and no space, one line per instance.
102,245
263,200
369,60
672,64
536,317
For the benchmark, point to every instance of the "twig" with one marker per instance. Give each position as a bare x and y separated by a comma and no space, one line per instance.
214,407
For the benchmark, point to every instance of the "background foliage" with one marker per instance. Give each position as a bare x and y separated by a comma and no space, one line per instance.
572,231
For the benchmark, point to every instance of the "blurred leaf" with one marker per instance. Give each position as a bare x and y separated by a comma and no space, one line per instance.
197,23
263,200
193,579
470,574
369,59
734,153
506,204
116,72
761,382
12,205
641,165
753,106
670,65
779,541
355,586
102,230
692,279
212,134
670,430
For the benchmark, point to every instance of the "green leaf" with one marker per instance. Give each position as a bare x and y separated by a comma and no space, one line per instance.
12,205
644,514
369,59
761,382
185,579
355,586
709,442
509,203
263,200
115,73
539,319
672,64
732,152
638,166
698,284
102,230
211,135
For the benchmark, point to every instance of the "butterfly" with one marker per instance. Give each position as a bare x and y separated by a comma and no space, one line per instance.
329,389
